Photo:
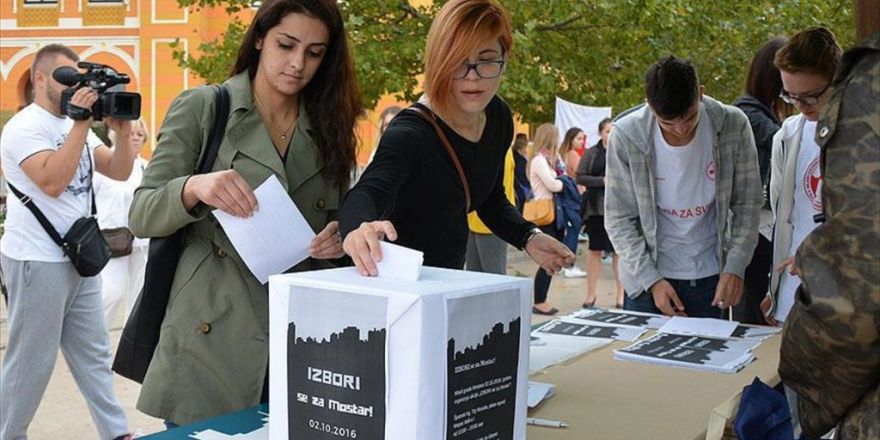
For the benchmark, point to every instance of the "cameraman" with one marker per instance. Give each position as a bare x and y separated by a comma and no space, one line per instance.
51,158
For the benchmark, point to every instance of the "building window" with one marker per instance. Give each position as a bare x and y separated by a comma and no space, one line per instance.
40,2
105,2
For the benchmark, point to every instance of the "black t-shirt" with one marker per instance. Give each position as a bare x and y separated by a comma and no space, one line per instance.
413,182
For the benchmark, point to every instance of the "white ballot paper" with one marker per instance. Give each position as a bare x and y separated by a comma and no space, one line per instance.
275,238
538,391
399,262
709,327
441,358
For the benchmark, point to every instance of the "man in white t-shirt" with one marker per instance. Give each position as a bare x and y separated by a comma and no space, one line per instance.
682,197
51,158
807,64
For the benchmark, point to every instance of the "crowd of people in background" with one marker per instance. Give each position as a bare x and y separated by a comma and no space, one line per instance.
767,207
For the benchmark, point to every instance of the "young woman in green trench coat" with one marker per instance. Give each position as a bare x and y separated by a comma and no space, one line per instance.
293,105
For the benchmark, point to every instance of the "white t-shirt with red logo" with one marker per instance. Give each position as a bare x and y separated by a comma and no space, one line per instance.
807,203
685,180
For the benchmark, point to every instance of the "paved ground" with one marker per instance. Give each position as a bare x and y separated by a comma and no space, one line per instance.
63,413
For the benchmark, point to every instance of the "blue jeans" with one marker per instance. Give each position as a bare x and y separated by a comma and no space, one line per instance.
572,230
696,295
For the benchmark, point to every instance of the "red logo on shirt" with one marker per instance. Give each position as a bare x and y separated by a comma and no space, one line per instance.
813,184
710,171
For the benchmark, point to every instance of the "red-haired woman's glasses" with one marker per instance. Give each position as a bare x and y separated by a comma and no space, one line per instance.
484,69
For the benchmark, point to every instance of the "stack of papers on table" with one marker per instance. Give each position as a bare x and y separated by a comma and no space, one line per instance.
622,318
698,352
539,391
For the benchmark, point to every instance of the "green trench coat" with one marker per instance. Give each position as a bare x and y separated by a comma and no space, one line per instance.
213,350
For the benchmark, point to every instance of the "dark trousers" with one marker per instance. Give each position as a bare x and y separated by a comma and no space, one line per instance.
542,278
756,281
696,295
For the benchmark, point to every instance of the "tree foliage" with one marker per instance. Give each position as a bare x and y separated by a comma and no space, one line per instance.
593,52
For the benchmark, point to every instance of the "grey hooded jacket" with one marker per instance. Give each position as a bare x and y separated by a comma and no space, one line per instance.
630,195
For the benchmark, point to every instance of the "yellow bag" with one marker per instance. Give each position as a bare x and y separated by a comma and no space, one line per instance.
540,212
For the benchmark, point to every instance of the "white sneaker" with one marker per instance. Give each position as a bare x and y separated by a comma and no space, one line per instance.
573,272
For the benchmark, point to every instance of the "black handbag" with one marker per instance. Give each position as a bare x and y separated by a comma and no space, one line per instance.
83,243
120,241
141,332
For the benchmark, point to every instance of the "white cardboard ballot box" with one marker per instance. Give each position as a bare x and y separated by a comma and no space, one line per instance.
442,358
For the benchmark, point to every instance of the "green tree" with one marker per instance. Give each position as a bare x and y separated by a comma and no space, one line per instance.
593,52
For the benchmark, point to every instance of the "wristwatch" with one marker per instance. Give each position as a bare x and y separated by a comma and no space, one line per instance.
531,234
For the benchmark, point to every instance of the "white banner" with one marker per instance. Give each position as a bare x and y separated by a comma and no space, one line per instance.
569,114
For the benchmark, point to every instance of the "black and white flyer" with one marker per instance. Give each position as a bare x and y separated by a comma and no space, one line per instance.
483,353
758,332
569,328
620,317
336,366
726,356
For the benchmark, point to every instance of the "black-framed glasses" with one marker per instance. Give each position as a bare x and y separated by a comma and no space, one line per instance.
809,100
484,69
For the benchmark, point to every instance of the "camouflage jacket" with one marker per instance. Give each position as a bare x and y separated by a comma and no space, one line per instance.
831,342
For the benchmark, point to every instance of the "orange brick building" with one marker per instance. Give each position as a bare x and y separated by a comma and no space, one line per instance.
133,36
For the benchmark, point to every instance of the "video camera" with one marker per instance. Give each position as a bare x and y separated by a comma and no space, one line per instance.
100,78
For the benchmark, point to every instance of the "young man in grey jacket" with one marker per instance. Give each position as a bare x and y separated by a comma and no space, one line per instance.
683,197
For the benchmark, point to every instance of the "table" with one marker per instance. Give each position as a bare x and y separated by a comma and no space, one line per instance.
238,422
602,398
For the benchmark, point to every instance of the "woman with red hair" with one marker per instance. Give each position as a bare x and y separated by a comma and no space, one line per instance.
444,157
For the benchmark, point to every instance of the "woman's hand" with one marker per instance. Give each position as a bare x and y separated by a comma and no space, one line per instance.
327,244
225,190
549,253
362,245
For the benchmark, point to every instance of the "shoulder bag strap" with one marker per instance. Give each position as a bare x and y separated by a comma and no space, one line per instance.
29,203
221,115
430,117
